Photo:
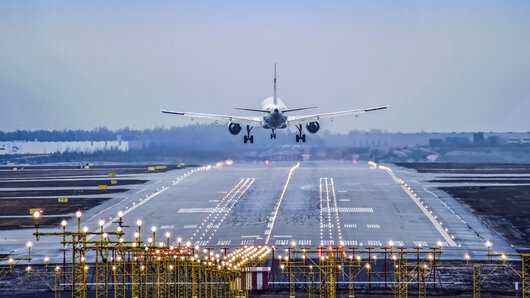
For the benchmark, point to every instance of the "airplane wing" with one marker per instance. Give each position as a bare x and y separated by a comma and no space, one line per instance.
225,119
332,115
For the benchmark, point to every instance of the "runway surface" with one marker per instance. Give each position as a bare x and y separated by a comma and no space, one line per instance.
307,203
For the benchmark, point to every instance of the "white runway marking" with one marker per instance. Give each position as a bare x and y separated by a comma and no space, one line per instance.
217,215
409,192
350,226
374,243
337,219
399,243
213,201
113,220
275,213
421,244
200,210
190,226
167,227
201,243
356,210
350,242
250,236
224,242
328,205
282,242
247,242
283,236
344,200
328,242
304,242
373,226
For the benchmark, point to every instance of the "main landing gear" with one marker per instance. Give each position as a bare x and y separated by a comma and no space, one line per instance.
248,137
273,135
300,135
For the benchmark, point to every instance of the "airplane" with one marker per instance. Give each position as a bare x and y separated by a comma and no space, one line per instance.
274,115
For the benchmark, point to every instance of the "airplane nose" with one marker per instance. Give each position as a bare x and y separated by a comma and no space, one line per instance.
276,110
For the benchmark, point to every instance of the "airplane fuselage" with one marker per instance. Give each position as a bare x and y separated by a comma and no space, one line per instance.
274,119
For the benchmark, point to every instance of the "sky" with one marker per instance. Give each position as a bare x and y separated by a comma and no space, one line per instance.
443,65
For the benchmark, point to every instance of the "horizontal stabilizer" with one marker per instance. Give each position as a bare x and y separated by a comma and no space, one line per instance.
299,109
252,110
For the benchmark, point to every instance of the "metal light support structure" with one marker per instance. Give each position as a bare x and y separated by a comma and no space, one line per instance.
132,268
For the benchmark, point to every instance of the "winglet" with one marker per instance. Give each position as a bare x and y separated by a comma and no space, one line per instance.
275,99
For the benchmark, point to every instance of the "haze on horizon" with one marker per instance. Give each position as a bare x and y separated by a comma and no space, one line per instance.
443,66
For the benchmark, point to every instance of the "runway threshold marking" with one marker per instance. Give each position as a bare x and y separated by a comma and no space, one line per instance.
275,212
304,242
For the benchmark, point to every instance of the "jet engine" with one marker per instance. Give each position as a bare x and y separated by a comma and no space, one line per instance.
234,128
312,127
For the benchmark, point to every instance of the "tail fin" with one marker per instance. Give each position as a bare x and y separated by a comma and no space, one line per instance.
275,99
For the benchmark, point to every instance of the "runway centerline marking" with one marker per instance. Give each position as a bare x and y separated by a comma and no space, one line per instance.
275,213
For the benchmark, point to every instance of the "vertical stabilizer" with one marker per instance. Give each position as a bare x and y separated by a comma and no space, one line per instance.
275,99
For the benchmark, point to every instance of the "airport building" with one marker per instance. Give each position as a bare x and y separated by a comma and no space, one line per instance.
37,147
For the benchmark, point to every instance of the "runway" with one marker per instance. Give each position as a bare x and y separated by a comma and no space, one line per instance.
283,203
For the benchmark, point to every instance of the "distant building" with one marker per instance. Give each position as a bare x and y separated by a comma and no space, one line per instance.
478,138
452,141
36,147
435,142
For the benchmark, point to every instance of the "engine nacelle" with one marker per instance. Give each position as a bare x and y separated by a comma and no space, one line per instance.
234,128
312,127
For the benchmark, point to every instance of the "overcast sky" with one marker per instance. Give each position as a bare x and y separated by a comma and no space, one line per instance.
442,65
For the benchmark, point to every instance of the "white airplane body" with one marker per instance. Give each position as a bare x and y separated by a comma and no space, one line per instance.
273,116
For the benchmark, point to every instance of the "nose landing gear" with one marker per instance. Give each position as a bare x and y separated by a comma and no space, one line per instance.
300,136
273,135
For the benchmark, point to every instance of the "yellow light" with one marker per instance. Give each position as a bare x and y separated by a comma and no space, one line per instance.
29,244
168,234
85,229
153,229
36,214
488,244
78,214
120,213
138,222
63,223
101,222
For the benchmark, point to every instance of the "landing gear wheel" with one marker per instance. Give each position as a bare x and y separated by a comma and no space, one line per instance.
248,137
273,136
300,135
